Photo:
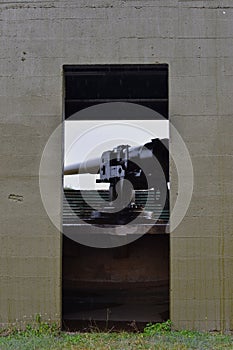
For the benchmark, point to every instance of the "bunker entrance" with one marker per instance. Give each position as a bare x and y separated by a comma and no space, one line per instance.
115,203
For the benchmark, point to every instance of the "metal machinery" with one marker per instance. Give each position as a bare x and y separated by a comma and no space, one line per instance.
127,169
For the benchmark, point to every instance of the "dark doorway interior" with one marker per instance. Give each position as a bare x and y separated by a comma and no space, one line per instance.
123,287
146,85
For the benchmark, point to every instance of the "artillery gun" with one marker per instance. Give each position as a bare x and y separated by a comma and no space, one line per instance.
128,169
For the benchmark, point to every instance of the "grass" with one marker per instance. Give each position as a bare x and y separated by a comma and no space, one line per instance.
42,336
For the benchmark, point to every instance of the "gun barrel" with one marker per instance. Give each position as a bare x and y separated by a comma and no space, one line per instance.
90,166
157,147
140,153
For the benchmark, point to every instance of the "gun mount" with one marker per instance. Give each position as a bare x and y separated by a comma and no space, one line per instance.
127,169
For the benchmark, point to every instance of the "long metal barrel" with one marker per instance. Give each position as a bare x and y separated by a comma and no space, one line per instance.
90,166
144,152
140,152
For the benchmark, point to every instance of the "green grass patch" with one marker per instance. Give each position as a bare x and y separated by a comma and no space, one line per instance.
159,336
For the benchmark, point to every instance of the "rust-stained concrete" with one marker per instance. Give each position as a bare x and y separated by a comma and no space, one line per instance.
195,39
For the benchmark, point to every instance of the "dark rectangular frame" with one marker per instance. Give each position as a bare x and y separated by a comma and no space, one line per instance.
87,85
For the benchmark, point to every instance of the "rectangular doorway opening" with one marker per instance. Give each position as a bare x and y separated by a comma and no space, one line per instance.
115,259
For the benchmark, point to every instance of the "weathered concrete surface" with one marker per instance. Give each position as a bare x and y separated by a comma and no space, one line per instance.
195,38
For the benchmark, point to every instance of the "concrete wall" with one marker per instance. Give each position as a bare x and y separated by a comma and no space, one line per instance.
195,38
